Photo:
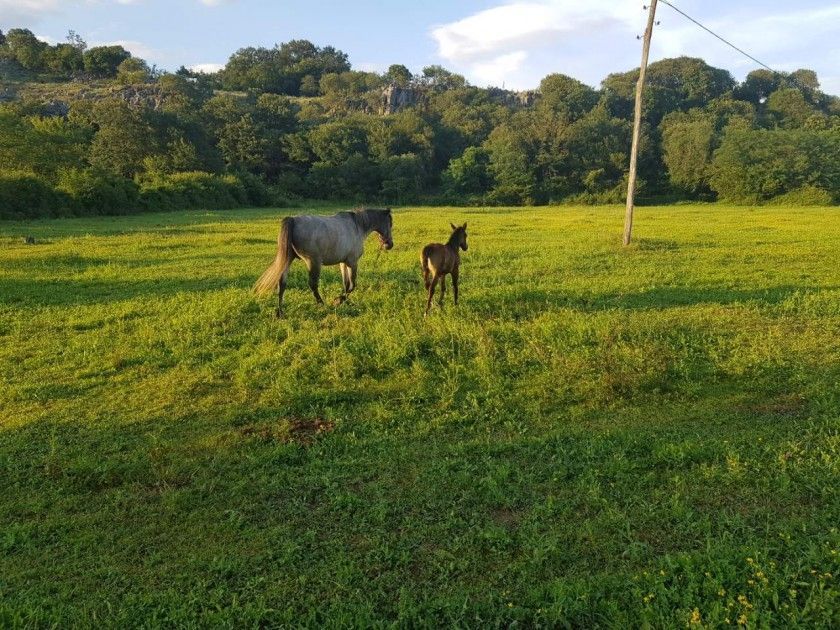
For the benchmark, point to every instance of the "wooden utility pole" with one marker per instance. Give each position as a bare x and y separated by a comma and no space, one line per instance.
637,124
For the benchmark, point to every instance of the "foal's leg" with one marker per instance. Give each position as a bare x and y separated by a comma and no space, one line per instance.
431,293
442,289
455,284
314,276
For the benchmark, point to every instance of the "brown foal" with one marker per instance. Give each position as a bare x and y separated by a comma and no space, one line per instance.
437,260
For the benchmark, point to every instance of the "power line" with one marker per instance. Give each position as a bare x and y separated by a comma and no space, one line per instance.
725,41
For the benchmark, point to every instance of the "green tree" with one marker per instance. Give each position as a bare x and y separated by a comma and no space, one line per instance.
63,59
439,78
468,174
26,49
242,145
336,142
402,178
123,139
511,165
567,97
399,75
787,108
133,70
671,85
756,165
103,61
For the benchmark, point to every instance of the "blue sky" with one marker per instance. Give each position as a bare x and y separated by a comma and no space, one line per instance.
491,42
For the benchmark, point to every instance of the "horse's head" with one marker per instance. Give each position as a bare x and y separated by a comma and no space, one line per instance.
382,226
459,235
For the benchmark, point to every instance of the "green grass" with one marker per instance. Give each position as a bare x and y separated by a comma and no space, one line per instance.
596,437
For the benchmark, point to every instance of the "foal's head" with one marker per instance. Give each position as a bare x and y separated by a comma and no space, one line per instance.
459,236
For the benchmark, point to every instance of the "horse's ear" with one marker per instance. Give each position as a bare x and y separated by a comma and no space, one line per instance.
452,225
465,225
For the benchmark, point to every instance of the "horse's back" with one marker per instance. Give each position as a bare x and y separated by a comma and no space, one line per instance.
330,239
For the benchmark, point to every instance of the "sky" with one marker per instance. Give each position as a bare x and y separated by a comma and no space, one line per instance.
509,44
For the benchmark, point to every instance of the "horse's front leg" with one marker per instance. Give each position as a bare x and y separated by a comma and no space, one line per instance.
455,279
314,277
352,277
442,290
345,284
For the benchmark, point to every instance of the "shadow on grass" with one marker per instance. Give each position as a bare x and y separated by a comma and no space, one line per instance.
14,292
532,300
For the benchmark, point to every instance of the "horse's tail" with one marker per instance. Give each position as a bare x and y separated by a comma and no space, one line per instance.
268,282
424,266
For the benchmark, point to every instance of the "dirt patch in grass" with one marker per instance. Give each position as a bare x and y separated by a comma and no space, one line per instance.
506,517
302,431
785,405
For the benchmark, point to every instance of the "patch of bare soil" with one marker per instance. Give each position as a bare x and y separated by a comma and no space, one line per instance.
302,431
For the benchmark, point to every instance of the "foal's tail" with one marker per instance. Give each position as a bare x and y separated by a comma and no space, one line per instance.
268,282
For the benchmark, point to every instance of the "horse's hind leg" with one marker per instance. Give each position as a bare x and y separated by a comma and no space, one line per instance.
314,277
442,290
431,293
281,289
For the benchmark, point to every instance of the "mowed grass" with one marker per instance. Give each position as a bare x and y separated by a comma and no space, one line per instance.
595,437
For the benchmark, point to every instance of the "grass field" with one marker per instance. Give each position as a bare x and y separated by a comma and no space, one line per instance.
596,437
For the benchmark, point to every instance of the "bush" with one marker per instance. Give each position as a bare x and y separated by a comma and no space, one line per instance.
96,192
256,192
754,166
197,189
26,196
805,196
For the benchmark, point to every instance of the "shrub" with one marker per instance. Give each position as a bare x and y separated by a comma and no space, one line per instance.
805,196
26,196
96,192
256,192
197,189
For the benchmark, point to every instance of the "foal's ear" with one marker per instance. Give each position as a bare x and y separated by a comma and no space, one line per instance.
465,226
452,225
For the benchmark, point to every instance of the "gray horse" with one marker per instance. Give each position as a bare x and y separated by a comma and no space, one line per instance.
337,240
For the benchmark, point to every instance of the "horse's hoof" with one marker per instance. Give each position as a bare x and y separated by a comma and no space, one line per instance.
278,314
339,301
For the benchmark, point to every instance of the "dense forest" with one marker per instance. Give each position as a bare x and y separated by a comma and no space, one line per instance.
96,130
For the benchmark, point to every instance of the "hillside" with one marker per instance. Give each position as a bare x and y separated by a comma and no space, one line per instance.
296,121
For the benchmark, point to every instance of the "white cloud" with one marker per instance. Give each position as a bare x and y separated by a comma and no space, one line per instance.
491,45
137,49
786,41
208,68
519,42
369,66
28,12
496,70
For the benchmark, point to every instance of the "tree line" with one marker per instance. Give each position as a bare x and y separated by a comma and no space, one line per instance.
95,130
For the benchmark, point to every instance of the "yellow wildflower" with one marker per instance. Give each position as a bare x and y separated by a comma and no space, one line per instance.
695,618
